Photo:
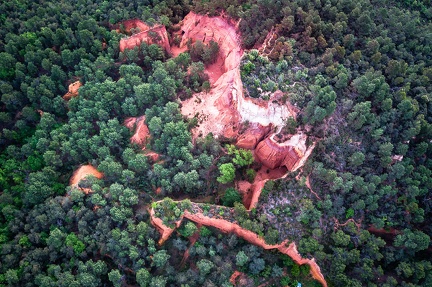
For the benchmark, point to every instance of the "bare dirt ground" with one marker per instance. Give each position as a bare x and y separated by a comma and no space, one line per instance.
141,133
83,172
72,91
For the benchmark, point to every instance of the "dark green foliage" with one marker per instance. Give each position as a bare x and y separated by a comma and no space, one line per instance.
230,196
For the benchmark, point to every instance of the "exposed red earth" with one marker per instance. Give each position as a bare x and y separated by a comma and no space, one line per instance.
235,276
226,112
151,35
229,227
81,173
252,191
141,134
72,91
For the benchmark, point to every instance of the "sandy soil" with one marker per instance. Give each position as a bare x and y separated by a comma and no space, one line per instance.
142,132
83,172
72,91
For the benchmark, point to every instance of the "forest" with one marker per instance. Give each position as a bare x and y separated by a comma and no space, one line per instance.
358,72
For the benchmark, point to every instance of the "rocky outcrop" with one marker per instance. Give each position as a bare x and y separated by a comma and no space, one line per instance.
72,91
150,35
141,136
273,154
252,135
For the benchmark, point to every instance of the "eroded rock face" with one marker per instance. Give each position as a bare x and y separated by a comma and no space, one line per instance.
150,35
253,134
225,108
273,154
72,91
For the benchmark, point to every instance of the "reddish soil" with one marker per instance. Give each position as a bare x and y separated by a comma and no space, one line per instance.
128,25
160,35
72,91
142,132
252,191
83,172
387,235
308,185
229,227
192,240
234,277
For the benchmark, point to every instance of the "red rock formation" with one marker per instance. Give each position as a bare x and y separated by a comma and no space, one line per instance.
234,277
72,91
273,155
150,35
252,136
152,156
164,230
252,191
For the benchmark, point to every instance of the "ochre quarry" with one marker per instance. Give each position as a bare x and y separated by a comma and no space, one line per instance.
252,123
225,109
72,91
226,226
150,35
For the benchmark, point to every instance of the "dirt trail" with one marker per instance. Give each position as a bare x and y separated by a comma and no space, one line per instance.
229,227
81,173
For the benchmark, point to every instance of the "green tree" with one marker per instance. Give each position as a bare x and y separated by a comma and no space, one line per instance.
115,277
227,173
204,266
230,196
241,258
143,277
160,258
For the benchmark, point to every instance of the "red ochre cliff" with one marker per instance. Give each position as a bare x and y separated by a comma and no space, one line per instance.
225,108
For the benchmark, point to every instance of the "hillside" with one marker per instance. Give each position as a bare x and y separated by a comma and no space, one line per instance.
224,143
